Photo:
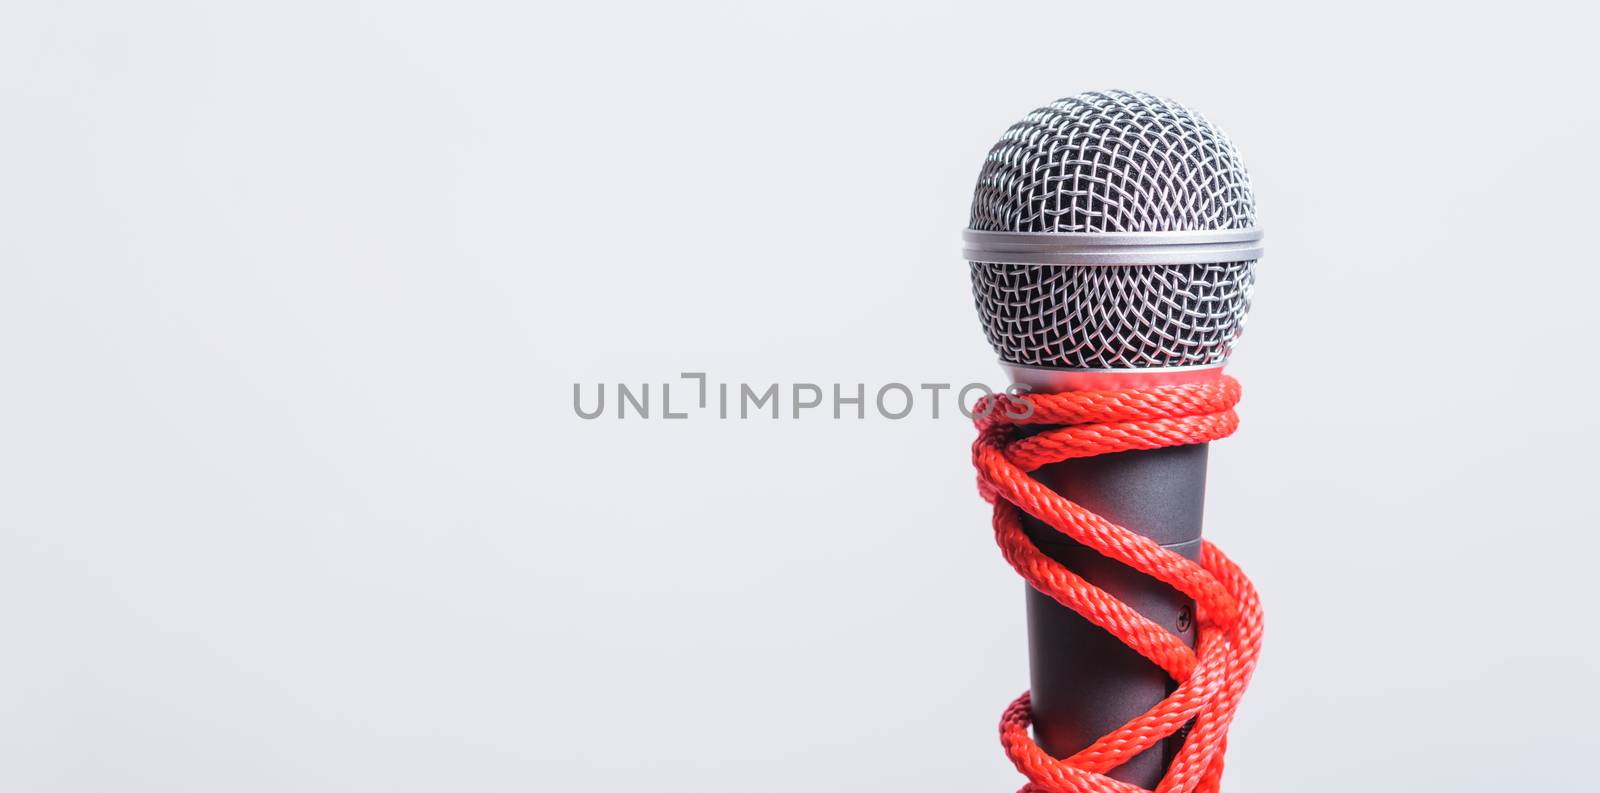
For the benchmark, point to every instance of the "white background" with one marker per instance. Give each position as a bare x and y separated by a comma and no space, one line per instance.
293,296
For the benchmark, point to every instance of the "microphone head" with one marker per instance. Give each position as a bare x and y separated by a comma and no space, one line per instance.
1139,168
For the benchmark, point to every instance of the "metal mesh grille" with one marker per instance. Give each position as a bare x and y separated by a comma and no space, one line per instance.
1113,161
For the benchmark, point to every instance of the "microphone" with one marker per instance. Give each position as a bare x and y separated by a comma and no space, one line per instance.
1113,248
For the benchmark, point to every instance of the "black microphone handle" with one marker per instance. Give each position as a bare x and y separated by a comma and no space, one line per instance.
1085,682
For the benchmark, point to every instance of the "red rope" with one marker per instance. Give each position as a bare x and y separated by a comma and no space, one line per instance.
1212,677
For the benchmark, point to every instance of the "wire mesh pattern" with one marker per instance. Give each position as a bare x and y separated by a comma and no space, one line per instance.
1107,162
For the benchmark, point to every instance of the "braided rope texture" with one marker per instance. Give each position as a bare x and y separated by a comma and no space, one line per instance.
1210,678
1113,161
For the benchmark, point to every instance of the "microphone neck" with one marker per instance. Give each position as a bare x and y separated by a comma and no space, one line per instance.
1050,380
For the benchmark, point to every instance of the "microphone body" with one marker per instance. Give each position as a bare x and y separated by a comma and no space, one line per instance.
1085,683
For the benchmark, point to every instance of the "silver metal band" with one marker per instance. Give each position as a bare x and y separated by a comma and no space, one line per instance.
1113,247
1048,380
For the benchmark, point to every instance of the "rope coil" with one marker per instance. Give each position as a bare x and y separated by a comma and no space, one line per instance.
1210,678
